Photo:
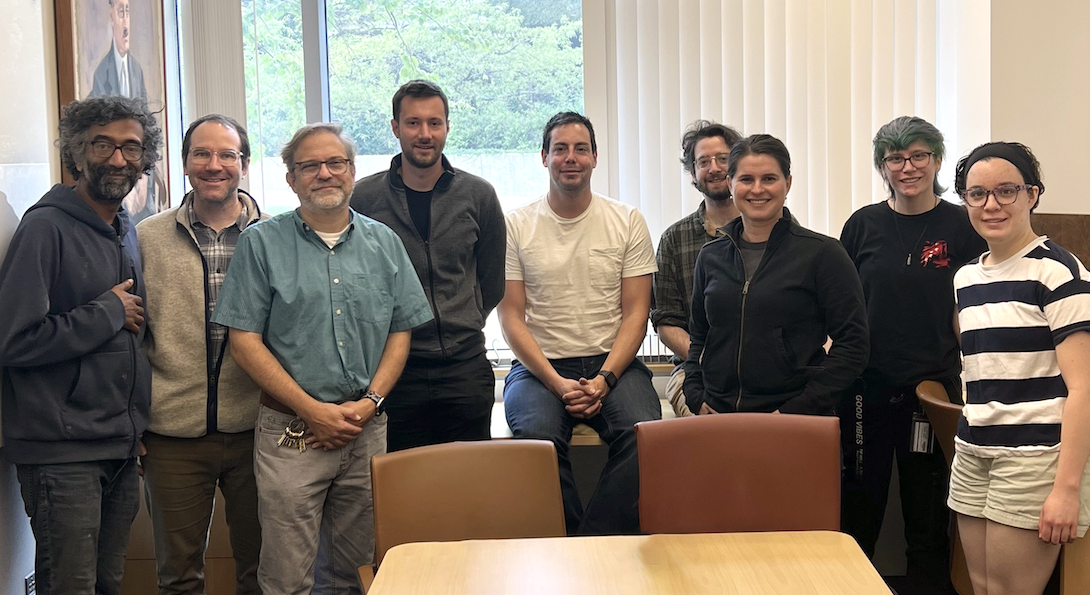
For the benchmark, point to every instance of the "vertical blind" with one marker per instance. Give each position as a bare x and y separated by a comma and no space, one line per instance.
821,75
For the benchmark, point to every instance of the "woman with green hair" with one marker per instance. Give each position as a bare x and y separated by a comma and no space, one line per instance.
906,249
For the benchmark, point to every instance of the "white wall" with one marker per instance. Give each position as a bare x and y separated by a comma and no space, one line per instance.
28,166
1040,91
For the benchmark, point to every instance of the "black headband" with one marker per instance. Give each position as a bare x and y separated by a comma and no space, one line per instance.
1011,153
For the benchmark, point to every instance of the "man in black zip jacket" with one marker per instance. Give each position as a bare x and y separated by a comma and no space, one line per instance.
76,384
453,229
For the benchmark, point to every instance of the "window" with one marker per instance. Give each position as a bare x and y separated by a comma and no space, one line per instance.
272,45
506,66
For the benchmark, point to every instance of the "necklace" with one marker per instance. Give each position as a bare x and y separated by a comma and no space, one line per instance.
900,239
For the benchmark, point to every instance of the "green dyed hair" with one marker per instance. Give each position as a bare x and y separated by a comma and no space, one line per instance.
902,132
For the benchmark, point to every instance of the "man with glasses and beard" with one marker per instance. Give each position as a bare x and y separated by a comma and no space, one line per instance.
321,302
76,383
705,147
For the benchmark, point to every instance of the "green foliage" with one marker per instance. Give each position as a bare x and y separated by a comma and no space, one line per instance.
504,76
273,50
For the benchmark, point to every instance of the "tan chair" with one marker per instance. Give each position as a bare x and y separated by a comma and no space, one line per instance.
739,472
466,490
943,416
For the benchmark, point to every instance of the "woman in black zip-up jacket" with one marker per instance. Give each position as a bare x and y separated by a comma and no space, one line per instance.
765,298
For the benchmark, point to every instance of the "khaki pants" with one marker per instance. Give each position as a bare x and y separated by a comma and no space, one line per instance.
674,393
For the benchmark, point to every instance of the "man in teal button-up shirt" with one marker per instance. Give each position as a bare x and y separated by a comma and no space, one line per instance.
321,302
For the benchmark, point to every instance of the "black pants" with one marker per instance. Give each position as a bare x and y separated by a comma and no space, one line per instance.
876,425
436,402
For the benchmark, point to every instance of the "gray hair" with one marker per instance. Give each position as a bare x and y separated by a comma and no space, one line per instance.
288,152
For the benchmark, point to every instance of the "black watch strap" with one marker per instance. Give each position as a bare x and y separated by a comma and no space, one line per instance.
611,378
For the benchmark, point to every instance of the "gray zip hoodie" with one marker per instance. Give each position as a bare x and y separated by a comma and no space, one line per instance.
460,264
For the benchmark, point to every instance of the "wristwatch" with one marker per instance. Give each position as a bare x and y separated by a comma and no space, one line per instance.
378,399
611,378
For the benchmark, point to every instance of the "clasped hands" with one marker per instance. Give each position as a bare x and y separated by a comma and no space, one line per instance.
582,398
332,425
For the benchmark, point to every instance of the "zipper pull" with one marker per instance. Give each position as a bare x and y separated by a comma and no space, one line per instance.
745,288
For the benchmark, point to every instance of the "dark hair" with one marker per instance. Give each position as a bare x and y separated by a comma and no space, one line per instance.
898,135
1016,154
287,153
562,119
698,131
80,116
228,121
759,144
419,89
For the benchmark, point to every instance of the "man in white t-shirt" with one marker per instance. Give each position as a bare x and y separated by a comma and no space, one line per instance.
578,292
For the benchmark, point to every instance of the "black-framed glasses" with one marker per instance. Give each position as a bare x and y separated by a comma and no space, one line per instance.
720,158
310,169
897,162
204,156
104,149
1004,194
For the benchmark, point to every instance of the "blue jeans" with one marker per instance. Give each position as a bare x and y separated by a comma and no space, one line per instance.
80,514
533,411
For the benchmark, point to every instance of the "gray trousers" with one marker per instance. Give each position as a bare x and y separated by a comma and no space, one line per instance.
316,511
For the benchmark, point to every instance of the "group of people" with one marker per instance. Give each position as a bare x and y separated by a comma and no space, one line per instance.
764,315
213,346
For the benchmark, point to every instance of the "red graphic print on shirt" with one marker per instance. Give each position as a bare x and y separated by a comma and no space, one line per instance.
935,255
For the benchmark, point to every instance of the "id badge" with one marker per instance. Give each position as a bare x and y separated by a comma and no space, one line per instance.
923,438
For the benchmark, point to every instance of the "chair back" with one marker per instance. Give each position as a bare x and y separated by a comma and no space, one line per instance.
466,490
739,472
942,414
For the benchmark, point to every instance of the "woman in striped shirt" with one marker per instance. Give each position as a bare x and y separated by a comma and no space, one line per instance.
1024,312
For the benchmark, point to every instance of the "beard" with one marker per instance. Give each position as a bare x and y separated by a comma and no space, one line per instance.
714,196
420,163
328,198
111,191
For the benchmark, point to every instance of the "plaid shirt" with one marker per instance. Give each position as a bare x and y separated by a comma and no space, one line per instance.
671,301
216,250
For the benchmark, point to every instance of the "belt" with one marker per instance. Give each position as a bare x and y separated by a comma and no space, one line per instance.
271,402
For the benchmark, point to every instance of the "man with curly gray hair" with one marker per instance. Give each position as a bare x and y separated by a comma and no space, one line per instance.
76,383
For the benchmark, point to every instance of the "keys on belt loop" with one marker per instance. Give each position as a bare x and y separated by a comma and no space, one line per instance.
293,435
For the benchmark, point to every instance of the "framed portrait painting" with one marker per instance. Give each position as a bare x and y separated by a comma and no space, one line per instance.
115,47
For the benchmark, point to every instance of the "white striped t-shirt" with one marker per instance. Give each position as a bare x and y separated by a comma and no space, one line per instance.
1012,316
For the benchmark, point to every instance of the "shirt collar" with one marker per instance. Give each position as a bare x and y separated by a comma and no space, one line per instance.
248,215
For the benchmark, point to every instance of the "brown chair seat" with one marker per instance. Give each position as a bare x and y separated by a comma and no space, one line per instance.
739,472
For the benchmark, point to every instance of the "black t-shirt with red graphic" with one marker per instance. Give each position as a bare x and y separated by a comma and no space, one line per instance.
907,265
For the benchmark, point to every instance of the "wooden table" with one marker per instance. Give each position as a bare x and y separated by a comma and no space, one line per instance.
787,563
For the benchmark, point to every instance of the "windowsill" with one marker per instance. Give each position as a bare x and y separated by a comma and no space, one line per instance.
657,369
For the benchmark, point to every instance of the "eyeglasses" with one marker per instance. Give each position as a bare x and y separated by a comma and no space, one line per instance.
706,162
204,156
104,149
1005,194
897,162
336,167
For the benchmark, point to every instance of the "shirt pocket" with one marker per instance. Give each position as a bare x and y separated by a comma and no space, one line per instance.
369,298
604,267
